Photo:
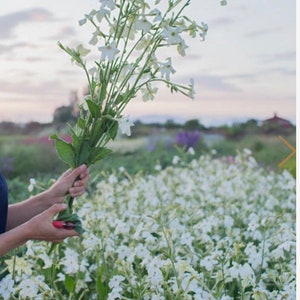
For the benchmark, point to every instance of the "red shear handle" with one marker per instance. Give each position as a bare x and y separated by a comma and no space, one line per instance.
63,224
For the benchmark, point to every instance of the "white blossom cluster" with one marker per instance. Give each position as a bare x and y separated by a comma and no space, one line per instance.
130,54
212,229
130,36
131,41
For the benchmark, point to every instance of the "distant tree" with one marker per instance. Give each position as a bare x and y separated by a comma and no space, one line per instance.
32,127
69,113
9,128
170,124
193,124
64,114
250,125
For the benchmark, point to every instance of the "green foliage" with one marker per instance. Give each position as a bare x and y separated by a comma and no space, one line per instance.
64,150
193,124
40,161
268,150
290,165
18,190
25,157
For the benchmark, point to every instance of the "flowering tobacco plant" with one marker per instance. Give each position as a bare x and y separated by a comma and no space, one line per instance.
130,36
207,228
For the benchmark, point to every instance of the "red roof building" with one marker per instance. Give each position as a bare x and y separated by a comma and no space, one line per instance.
276,123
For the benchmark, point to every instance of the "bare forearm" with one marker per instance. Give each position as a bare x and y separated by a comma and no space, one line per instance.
39,227
12,239
21,212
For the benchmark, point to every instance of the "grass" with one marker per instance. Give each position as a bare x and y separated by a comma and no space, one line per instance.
268,150
24,157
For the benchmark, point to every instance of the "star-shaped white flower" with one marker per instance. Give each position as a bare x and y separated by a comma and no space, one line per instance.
166,69
171,34
148,93
124,125
143,24
108,3
82,51
102,13
109,51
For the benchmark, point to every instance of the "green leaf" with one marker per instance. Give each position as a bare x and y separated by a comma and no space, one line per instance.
76,143
94,109
64,150
102,287
69,283
96,133
83,155
102,93
113,129
81,123
98,154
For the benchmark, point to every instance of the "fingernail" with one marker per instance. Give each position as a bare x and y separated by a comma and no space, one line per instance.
64,205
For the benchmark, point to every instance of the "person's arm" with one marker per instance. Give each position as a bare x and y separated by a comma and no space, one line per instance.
38,228
72,181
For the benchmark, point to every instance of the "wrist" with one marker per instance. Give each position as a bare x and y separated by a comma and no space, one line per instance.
49,197
26,231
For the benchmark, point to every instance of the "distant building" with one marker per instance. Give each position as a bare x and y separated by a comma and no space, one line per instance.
276,124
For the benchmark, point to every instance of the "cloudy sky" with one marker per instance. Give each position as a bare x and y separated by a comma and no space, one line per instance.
245,69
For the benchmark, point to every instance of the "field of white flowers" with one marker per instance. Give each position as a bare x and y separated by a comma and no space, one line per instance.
209,229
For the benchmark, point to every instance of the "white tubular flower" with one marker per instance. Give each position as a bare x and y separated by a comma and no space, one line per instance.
93,71
94,40
82,51
148,92
144,43
157,15
171,35
28,289
82,21
102,13
124,125
128,32
193,29
143,24
204,29
181,48
192,89
32,182
109,51
87,17
166,69
125,71
108,3
7,287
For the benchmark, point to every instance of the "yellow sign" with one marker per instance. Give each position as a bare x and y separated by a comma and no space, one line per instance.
289,156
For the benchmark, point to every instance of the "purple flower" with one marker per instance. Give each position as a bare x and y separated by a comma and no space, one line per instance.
188,138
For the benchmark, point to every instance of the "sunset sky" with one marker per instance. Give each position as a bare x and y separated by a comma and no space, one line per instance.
245,69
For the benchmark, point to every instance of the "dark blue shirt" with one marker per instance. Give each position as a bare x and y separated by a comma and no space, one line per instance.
3,203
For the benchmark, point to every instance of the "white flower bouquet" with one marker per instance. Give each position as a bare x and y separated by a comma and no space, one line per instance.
130,36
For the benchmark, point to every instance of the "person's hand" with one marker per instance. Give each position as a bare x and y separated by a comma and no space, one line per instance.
72,182
40,227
